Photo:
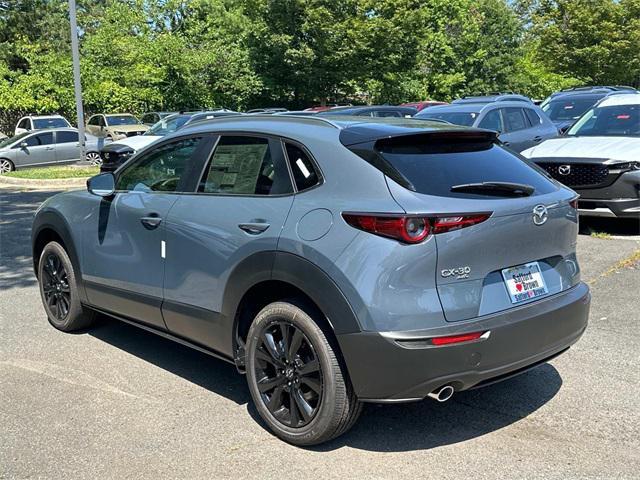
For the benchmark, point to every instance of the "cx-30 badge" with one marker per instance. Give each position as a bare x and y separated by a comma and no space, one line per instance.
540,214
459,272
564,169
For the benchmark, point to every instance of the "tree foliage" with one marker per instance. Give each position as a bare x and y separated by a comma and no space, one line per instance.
140,55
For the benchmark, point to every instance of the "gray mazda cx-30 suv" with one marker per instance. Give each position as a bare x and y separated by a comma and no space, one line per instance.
335,261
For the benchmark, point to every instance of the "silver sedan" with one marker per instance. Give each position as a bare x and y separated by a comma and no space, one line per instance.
46,147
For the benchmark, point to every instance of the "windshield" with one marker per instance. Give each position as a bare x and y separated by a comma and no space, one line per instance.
167,125
465,119
122,120
8,141
54,122
563,110
615,120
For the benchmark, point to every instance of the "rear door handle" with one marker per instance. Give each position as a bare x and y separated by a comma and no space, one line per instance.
49,148
254,228
151,222
537,139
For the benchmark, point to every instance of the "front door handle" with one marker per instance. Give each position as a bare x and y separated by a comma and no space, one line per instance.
254,228
537,139
49,148
151,222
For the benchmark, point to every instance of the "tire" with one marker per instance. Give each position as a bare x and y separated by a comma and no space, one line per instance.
6,166
326,405
94,159
59,290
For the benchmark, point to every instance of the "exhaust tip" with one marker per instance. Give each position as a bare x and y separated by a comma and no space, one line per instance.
442,394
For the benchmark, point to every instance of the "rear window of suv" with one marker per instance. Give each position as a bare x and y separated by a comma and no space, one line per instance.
433,168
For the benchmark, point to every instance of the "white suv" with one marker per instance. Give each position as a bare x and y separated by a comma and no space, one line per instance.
37,122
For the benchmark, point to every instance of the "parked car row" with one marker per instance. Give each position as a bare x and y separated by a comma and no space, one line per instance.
116,153
585,137
599,157
46,147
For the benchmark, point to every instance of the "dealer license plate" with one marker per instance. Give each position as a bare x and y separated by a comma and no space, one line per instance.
524,282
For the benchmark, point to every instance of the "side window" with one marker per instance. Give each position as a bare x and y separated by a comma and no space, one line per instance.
101,121
161,170
93,120
532,115
492,121
244,165
40,140
66,137
514,119
24,123
386,113
304,172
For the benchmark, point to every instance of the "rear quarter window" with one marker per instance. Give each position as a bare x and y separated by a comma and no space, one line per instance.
434,168
532,115
304,172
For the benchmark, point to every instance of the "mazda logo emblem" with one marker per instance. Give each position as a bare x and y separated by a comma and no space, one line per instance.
564,169
540,214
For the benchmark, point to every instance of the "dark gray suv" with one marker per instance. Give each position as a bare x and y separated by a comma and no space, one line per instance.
333,260
520,124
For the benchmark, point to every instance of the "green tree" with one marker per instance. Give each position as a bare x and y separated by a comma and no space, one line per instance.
597,41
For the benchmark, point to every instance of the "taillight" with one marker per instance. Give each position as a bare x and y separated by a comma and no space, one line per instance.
404,229
448,224
410,228
574,203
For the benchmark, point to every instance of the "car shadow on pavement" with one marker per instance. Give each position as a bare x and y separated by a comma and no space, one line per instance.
382,428
199,368
385,428
622,227
16,217
428,424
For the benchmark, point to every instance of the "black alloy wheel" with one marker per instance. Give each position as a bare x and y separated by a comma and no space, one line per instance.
55,286
297,384
288,374
59,290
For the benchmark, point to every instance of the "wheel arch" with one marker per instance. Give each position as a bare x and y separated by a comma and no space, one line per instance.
50,226
285,276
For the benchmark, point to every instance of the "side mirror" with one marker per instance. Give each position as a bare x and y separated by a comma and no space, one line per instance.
564,129
103,185
24,145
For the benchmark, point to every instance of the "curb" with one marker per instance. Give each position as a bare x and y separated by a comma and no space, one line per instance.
56,183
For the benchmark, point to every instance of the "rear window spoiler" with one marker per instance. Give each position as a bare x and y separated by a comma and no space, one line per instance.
356,135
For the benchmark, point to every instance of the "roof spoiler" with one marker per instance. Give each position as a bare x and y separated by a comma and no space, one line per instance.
354,135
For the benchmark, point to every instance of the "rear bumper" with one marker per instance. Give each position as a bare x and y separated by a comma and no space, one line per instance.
401,366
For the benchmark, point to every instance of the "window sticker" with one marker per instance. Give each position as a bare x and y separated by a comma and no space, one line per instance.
237,167
303,168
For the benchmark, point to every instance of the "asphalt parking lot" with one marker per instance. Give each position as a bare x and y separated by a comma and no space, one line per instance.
117,402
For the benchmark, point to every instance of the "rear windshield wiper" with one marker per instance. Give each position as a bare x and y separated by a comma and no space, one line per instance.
496,188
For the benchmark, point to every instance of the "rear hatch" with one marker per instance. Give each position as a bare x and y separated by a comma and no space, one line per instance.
523,252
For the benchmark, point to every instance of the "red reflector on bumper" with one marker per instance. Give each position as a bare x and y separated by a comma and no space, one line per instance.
466,337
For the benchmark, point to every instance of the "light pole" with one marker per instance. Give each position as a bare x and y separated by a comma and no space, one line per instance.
75,53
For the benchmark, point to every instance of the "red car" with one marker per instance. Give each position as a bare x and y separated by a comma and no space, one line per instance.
320,108
424,104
